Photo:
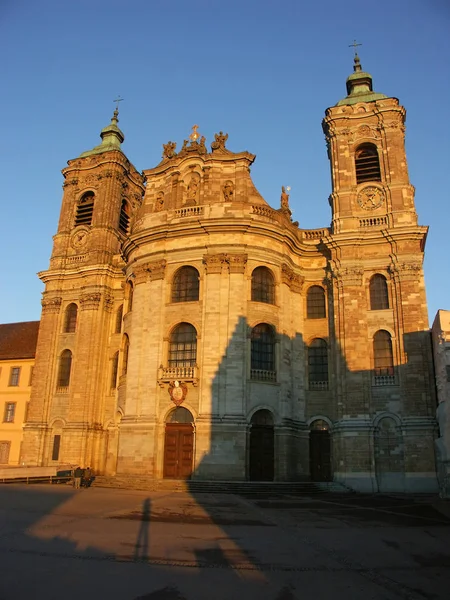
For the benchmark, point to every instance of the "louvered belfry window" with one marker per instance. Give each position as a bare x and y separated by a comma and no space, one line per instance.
367,164
85,209
124,219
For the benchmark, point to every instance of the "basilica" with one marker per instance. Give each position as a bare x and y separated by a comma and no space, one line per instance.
190,330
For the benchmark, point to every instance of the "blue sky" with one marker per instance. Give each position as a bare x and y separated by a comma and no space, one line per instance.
264,71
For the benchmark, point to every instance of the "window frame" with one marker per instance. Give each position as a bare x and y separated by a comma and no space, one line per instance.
263,285
182,353
64,369
320,359
383,354
70,318
314,308
185,285
378,292
14,376
84,215
263,348
9,412
367,168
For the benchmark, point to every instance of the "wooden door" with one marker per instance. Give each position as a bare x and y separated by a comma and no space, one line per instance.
320,455
178,451
261,453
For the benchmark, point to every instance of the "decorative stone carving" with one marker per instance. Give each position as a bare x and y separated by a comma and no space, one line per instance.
219,142
214,262
371,197
156,270
228,191
169,150
363,131
177,391
292,279
108,302
351,275
237,263
159,204
192,189
51,305
90,301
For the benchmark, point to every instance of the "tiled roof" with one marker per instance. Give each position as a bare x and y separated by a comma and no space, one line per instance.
18,340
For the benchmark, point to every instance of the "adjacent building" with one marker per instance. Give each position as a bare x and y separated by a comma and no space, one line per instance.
441,348
191,330
17,350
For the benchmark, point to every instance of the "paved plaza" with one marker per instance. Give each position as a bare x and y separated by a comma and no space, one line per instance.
126,545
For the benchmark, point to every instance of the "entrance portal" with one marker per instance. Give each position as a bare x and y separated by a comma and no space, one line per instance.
320,451
179,444
261,467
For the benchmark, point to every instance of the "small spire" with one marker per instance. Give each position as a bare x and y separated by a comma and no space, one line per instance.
111,135
356,64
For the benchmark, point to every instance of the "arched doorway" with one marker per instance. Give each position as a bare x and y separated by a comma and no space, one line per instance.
179,444
261,464
319,451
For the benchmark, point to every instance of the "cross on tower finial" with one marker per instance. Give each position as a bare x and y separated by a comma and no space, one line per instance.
355,45
118,99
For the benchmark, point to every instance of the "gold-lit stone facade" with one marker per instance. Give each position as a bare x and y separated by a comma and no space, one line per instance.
278,368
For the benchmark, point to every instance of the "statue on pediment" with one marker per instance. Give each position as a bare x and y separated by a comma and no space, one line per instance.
169,150
219,141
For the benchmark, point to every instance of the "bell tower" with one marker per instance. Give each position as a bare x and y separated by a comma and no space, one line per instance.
365,136
73,398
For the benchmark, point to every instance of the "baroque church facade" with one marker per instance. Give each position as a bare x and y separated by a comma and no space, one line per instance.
190,330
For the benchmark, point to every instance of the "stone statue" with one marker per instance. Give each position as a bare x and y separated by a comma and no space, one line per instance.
192,188
169,150
228,191
219,143
159,204
284,198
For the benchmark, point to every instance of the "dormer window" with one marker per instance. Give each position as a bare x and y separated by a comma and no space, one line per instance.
85,209
367,164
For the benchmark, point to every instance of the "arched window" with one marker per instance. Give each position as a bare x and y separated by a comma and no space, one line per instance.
263,285
180,415
379,298
65,366
85,209
119,316
185,285
367,164
129,295
263,351
315,303
383,359
70,318
126,349
183,346
124,218
114,370
262,418
318,365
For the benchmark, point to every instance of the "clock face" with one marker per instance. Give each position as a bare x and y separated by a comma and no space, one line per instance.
370,198
79,239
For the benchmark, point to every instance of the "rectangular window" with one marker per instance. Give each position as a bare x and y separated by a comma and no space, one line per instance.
30,379
14,376
10,411
56,446
4,452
